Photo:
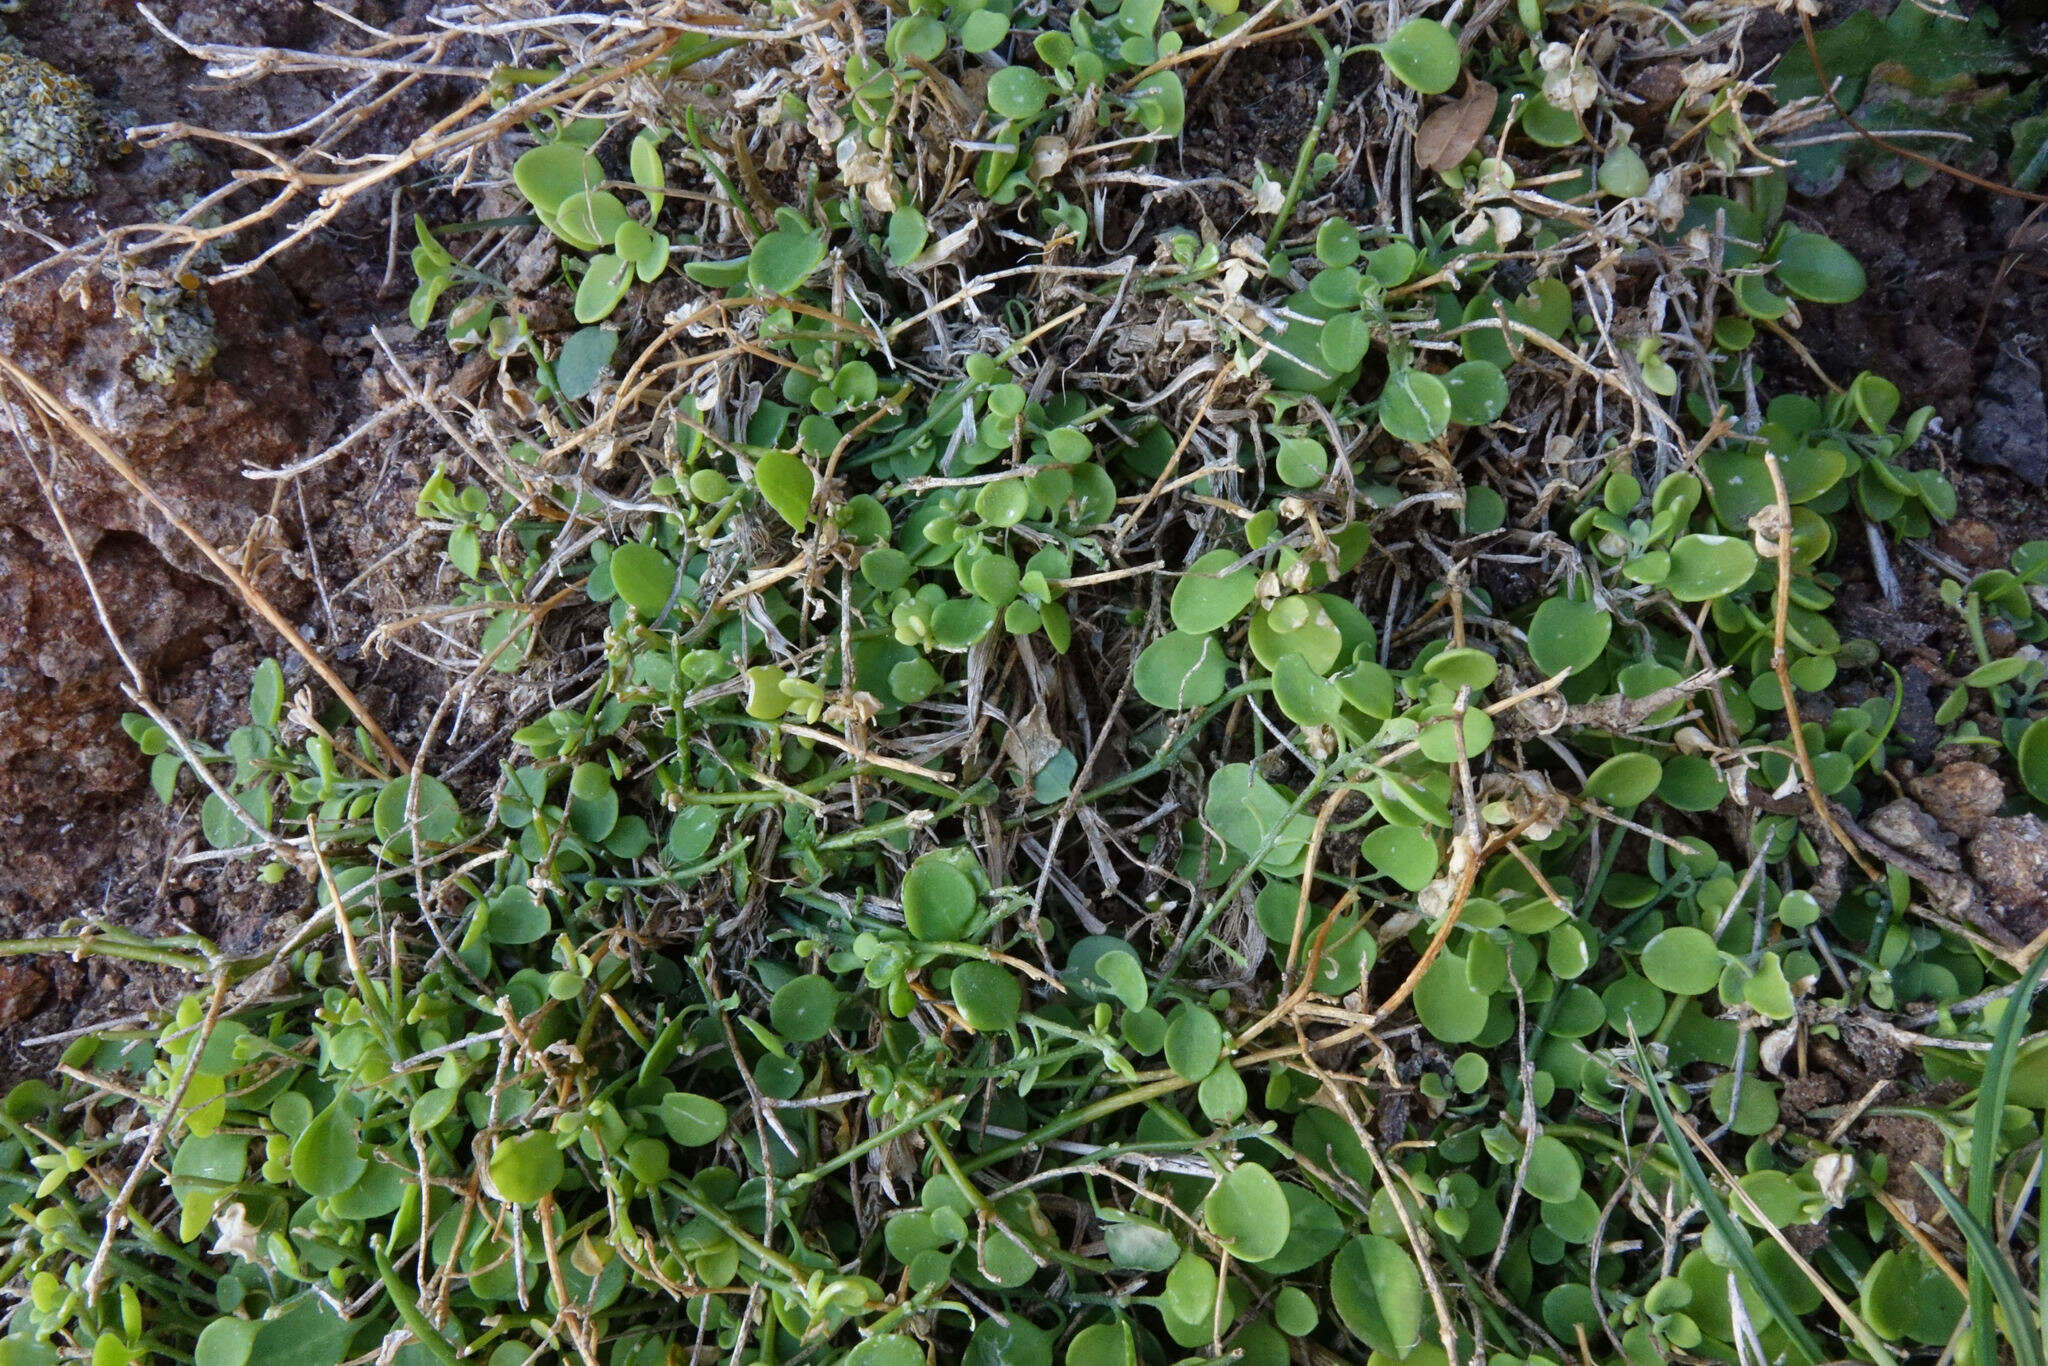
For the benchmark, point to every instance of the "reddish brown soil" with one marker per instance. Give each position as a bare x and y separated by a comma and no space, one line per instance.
82,839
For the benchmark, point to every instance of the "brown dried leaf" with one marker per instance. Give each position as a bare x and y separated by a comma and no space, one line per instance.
1454,129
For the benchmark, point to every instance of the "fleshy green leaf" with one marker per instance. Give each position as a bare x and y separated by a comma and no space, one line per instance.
783,259
583,360
1213,592
1424,55
1179,671
547,175
802,1008
1377,1292
1568,635
1415,406
1707,566
325,1157
939,899
1248,1212
787,483
1017,92
1818,268
526,1168
1682,960
644,577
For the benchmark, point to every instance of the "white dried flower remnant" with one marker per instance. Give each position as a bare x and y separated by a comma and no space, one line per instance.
1568,82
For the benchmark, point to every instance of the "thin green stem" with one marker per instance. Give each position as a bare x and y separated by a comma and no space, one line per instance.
106,944
1304,160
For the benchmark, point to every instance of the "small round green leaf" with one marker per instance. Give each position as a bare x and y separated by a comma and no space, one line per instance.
1017,92
1300,624
1222,1094
1102,967
1404,854
996,579
1194,1041
1248,1213
917,35
1337,242
1377,1292
1212,593
984,29
2032,755
1345,340
325,1158
1767,991
1625,780
1103,1344
1464,668
939,899
1568,635
526,1168
908,234
644,577
1305,696
892,1349
549,174
1549,125
1014,1341
802,1008
787,483
988,995
224,1342
516,917
1301,461
886,568
1140,1245
1444,734
1691,783
1479,393
591,219
1818,268
1415,406
1294,1312
1179,671
1554,1172
644,157
1393,263
583,359
913,680
435,814
1447,1003
691,1120
1424,55
783,259
1624,174
1707,566
1682,960
1003,503
602,286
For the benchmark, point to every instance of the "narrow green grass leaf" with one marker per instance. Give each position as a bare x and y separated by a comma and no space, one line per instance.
1988,1259
1724,1223
1990,1115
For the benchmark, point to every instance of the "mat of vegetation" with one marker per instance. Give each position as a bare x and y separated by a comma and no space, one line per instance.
1159,715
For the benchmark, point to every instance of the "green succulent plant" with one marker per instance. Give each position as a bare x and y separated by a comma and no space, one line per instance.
1092,786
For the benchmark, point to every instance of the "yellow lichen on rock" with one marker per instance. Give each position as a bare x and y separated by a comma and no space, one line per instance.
51,131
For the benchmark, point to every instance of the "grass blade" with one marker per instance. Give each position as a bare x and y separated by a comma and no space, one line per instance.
1989,1118
1989,1259
1723,1222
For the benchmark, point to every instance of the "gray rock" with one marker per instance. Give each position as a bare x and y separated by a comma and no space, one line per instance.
2011,426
